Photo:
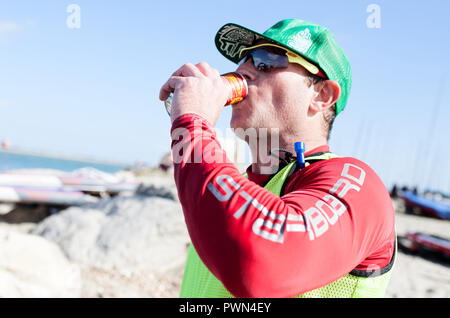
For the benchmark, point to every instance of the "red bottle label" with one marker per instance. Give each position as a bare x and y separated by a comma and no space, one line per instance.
238,87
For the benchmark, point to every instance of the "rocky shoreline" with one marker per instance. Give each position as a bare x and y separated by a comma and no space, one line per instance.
135,246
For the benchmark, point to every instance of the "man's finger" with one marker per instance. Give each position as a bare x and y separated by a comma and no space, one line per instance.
187,70
170,86
207,70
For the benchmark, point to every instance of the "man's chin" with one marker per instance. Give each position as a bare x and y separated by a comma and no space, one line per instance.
238,122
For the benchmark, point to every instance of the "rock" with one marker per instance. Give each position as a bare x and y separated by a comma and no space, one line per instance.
31,266
158,185
137,233
155,191
26,214
126,246
5,208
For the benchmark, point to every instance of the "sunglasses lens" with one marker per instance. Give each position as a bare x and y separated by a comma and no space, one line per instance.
266,61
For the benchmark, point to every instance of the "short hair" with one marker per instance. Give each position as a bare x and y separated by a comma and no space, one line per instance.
330,115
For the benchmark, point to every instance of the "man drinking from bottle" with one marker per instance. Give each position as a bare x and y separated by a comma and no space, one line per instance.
315,225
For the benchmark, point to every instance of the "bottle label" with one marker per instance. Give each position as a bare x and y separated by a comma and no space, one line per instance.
238,87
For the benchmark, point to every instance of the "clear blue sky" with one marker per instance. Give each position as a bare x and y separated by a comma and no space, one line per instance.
93,91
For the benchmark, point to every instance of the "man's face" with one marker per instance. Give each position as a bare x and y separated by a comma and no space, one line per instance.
276,99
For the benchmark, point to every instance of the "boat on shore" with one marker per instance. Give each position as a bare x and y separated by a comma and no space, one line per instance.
75,188
422,243
426,205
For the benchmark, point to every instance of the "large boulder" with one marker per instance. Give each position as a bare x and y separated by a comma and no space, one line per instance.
137,232
31,266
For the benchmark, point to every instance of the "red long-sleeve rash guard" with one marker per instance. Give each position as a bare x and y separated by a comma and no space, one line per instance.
335,216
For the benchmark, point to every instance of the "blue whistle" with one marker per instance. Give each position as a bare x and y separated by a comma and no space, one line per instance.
300,150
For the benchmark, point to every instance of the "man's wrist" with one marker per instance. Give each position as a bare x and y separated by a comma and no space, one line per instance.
185,119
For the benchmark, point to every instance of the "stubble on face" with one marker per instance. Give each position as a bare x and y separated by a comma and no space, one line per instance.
276,100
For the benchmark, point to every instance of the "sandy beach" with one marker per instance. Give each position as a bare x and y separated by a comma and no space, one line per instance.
134,245
415,276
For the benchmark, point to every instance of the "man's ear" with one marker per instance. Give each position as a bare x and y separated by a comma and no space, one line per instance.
326,95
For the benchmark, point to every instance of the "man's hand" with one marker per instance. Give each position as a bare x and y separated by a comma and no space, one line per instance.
196,89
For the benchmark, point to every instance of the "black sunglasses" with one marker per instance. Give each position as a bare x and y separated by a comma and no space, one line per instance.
267,59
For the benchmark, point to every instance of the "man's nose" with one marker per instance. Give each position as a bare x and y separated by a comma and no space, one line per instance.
248,70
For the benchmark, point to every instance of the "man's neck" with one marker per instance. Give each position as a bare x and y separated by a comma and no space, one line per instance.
265,163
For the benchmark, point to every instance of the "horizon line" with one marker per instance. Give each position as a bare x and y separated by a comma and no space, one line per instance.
21,151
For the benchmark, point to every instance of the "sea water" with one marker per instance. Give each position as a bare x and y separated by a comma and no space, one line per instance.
16,161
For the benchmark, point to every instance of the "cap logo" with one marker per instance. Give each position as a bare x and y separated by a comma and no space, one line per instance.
301,41
232,39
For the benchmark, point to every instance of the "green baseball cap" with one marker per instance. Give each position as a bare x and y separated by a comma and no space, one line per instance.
311,41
